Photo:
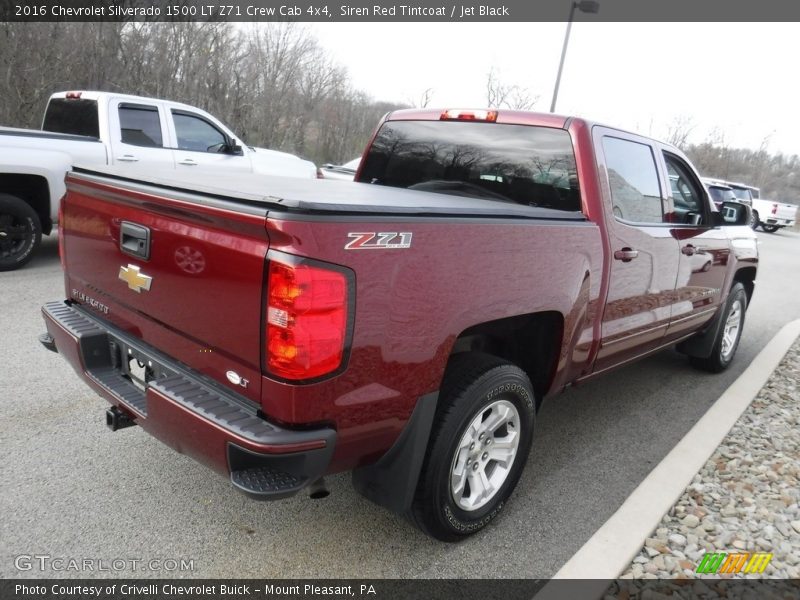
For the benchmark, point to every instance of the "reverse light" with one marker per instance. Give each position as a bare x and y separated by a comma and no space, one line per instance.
457,114
307,316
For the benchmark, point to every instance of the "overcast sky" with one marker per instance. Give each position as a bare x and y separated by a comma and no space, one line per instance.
740,78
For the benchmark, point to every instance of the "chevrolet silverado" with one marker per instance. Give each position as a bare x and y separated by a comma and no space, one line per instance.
406,326
90,129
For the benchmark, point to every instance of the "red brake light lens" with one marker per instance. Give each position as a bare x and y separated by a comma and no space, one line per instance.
457,114
774,209
306,320
60,231
74,95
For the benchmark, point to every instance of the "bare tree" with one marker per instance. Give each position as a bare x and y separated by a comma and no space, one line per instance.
503,95
424,99
679,130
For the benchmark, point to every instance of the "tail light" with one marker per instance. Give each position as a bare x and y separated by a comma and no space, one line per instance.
774,209
307,320
61,249
320,175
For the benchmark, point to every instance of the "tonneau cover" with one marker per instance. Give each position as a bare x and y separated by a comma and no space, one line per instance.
329,196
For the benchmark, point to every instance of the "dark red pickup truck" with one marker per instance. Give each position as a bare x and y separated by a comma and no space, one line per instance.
279,330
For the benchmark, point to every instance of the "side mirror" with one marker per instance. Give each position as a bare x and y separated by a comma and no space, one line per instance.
733,213
231,147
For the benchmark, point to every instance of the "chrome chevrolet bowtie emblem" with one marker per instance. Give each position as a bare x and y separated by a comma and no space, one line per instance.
135,279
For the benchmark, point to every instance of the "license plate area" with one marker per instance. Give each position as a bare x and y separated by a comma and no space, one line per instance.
136,365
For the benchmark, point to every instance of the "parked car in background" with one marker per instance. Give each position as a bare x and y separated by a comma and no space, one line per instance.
720,193
91,129
744,193
772,216
345,172
767,214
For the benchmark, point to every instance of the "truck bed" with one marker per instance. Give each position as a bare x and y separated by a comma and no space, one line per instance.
294,196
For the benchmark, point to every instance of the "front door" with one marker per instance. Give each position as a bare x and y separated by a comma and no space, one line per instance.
704,249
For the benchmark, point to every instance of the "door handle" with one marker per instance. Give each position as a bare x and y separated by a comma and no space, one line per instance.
626,254
127,158
688,250
188,162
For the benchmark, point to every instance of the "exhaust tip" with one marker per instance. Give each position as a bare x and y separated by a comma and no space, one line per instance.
318,490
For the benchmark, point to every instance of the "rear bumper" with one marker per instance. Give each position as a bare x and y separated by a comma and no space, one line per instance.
186,410
779,222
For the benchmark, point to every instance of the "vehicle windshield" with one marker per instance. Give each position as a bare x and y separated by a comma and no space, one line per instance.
721,194
742,193
532,166
72,115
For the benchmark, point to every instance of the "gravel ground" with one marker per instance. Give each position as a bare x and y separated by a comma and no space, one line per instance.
746,498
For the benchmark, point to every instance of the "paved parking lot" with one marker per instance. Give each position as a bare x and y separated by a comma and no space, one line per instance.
73,489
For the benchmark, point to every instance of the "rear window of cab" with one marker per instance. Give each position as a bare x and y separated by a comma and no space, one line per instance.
521,164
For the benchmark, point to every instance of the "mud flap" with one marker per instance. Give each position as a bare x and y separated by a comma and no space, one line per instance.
392,481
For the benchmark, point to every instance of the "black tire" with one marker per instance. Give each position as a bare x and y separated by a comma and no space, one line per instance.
770,228
474,386
722,354
20,232
754,223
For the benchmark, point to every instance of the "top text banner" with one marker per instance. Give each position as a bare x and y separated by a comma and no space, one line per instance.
402,10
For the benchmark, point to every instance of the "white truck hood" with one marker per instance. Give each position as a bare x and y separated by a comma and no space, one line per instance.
281,164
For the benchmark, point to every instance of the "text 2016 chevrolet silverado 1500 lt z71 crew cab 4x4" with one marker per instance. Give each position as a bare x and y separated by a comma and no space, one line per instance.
280,331
89,129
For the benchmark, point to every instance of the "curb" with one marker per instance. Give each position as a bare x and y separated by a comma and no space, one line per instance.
612,547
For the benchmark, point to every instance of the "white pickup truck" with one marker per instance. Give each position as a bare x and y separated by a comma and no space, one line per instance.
771,215
88,129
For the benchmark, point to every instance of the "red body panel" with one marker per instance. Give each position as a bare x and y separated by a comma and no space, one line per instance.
204,307
411,305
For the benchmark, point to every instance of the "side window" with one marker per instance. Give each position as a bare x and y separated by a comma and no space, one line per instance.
140,125
687,197
632,175
197,134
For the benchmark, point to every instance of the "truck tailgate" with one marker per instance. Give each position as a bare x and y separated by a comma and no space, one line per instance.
182,275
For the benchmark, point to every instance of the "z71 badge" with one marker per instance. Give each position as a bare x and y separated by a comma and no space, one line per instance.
378,241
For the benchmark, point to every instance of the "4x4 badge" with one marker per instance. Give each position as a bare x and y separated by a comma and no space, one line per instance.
136,280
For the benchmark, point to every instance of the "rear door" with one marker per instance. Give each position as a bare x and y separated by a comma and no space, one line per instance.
644,253
139,135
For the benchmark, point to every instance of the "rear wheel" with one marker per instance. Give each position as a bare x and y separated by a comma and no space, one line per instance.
770,228
754,219
478,448
20,232
729,334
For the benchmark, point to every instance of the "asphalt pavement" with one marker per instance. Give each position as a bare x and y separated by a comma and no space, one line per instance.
72,489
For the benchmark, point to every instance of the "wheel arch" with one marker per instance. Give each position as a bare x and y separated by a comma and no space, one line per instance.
32,189
747,277
531,341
